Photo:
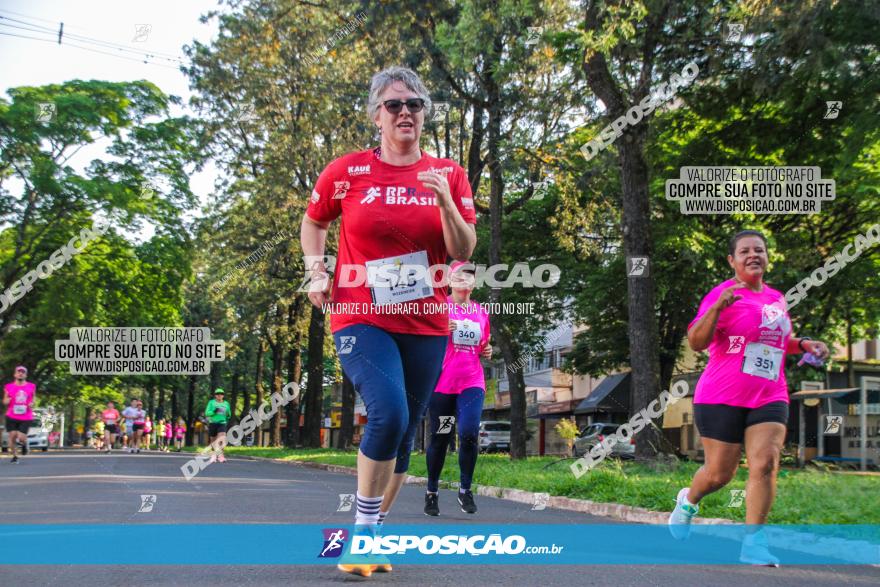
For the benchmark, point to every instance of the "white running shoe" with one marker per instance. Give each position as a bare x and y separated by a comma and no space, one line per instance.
755,551
681,516
213,459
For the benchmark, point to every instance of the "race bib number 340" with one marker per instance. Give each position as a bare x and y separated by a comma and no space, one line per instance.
762,360
467,333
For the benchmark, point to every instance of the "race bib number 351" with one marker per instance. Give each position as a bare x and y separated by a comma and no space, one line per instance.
762,360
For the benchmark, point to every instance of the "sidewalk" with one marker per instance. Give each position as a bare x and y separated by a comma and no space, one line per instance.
615,511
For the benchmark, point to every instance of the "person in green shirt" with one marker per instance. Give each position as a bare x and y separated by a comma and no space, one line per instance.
217,412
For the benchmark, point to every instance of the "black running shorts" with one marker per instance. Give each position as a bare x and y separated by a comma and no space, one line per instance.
729,423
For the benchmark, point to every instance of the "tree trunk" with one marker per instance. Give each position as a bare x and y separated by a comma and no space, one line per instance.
636,229
214,378
294,374
258,386
509,350
642,323
71,426
151,400
277,364
175,409
346,430
315,385
161,411
233,405
190,410
850,368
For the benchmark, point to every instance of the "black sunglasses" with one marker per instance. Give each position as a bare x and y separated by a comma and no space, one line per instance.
395,106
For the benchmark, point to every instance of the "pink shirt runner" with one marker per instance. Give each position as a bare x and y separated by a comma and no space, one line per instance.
759,318
22,396
110,415
461,364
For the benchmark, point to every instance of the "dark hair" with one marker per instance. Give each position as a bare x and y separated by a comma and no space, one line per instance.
731,247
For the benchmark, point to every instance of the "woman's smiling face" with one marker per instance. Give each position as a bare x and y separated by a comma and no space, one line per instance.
404,127
749,258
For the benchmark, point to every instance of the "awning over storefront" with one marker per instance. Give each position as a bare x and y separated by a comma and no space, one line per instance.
845,396
612,395
555,409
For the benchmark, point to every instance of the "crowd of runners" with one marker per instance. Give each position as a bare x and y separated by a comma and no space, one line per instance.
409,366
133,430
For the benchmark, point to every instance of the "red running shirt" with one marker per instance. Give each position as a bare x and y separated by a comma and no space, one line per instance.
387,211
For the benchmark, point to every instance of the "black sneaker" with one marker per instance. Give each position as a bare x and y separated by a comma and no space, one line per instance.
466,501
24,449
14,460
431,507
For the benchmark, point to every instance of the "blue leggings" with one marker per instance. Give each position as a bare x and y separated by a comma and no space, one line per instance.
395,375
466,407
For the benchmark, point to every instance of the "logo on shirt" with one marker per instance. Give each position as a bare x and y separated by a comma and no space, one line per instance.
773,317
358,170
736,343
404,196
340,188
467,202
371,196
444,171
315,196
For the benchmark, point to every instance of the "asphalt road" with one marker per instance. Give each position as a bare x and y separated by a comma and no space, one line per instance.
70,487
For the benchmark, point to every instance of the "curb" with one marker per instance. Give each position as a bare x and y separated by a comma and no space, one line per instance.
616,511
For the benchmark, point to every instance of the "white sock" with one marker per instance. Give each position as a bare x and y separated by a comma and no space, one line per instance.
368,510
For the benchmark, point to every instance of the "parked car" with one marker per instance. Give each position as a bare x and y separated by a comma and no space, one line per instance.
596,433
494,436
37,436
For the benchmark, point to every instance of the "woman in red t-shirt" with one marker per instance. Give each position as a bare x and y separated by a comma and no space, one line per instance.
403,213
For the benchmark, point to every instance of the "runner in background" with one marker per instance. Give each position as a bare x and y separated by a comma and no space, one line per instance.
110,417
179,434
148,433
460,391
130,414
160,434
742,396
169,435
98,436
18,397
139,423
217,412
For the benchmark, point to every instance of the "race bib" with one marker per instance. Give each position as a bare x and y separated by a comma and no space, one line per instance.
467,333
762,360
219,409
393,280
19,409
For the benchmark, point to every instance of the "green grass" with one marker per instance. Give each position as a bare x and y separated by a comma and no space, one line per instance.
803,497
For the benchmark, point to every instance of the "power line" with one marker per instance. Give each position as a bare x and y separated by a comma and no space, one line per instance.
145,61
91,40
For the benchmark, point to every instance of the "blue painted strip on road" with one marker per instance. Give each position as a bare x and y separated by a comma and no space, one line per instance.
298,544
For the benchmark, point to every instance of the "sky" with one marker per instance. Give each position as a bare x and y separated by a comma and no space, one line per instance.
170,24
